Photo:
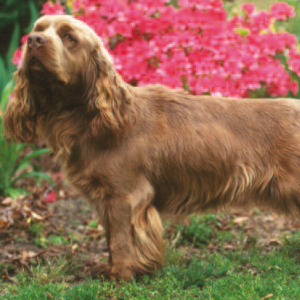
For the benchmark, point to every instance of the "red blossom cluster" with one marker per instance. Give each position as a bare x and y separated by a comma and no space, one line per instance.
195,46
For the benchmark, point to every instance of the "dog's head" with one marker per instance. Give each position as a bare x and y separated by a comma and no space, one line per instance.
64,63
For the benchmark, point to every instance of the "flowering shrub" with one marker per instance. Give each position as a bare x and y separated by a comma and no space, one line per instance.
195,46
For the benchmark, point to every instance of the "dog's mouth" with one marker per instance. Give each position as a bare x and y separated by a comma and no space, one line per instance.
38,74
36,66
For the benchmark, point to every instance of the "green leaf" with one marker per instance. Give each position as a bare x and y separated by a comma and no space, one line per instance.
14,42
34,15
6,94
24,162
242,31
3,74
38,175
42,241
15,192
93,224
57,240
68,10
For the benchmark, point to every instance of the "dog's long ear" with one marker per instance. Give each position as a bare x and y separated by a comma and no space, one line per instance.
20,113
110,97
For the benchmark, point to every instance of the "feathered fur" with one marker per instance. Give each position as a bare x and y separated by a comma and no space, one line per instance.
136,152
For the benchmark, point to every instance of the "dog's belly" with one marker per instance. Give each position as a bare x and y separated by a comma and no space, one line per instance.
271,186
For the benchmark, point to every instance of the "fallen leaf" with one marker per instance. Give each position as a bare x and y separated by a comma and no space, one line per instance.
228,247
296,225
28,254
36,216
7,201
62,194
268,296
4,224
12,279
240,220
100,227
275,242
176,239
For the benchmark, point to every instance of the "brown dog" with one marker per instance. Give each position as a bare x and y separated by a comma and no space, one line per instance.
136,151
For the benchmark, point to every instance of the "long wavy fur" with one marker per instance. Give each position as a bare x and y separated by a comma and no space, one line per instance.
137,152
20,114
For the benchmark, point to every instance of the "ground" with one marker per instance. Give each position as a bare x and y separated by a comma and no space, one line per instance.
49,246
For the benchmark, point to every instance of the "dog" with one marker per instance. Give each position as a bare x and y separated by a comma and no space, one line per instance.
137,152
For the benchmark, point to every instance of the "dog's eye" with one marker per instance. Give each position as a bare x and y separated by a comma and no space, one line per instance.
68,41
67,37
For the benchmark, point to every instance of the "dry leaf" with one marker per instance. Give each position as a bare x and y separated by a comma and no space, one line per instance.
28,254
275,242
62,194
4,224
100,227
7,201
240,220
296,225
36,216
268,296
228,247
176,239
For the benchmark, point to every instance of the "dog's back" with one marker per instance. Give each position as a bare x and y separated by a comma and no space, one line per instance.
209,152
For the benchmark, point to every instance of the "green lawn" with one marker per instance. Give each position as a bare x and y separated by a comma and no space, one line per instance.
193,270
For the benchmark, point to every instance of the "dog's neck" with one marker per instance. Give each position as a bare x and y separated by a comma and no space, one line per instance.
64,123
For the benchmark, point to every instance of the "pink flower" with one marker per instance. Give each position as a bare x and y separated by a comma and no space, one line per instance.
197,44
24,39
17,57
281,11
50,197
248,8
53,9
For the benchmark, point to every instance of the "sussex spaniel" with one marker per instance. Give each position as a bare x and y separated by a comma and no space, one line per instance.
135,152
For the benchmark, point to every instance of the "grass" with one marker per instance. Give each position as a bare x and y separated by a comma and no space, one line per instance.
191,272
241,275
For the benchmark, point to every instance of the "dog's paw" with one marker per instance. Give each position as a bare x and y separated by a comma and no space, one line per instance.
121,273
98,269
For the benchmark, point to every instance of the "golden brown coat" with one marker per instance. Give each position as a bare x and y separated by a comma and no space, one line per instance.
136,152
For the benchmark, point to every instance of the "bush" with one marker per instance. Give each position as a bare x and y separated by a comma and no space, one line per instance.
13,164
17,18
195,46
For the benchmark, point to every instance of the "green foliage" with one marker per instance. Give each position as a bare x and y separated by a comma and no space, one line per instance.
199,230
14,14
37,228
231,275
93,224
44,241
218,276
293,24
196,272
202,230
13,165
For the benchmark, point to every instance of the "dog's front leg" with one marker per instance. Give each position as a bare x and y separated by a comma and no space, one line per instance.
134,233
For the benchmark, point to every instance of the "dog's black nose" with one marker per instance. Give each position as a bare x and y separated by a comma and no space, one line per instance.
36,40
